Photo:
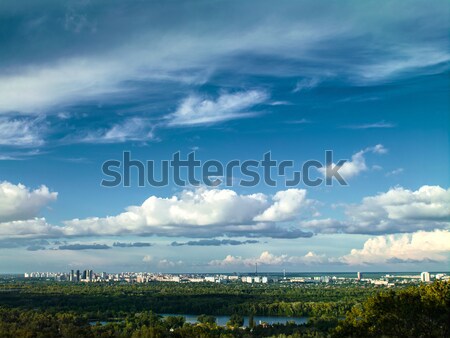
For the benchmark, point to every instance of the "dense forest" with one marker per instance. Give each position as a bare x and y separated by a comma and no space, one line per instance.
42,309
103,301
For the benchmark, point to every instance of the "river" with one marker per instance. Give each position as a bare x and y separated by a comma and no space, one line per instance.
222,320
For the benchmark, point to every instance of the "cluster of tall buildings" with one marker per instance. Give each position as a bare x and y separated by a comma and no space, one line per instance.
85,276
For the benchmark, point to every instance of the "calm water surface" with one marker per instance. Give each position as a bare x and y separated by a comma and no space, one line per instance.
222,320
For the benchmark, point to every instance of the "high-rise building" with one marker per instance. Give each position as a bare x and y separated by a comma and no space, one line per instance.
425,277
358,275
78,275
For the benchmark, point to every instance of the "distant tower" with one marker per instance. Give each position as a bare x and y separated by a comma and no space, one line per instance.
425,277
284,273
358,276
256,268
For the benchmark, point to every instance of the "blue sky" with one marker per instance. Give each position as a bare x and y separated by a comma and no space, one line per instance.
83,81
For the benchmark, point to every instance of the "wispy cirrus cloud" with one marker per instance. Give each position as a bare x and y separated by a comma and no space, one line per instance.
306,84
23,132
376,125
395,172
301,121
306,38
131,129
197,110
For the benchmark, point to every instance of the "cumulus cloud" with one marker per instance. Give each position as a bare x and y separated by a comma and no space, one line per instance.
420,246
147,259
398,210
166,263
401,210
197,110
32,228
357,164
17,202
19,208
286,206
200,213
267,258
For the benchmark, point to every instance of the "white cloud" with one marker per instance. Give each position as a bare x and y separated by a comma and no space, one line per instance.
420,246
17,155
30,228
375,125
301,121
286,206
407,59
163,263
306,84
388,249
36,89
21,132
378,149
401,210
324,226
357,164
395,172
398,210
298,34
196,110
147,259
166,263
199,213
132,129
17,202
267,258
